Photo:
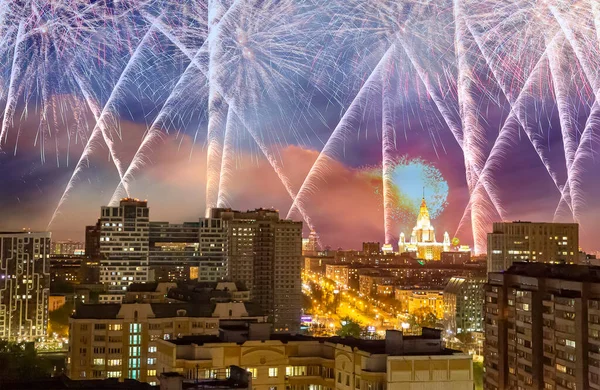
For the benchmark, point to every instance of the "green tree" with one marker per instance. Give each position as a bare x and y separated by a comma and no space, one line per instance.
59,320
348,327
20,360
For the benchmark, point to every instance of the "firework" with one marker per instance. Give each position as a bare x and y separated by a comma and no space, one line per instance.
242,76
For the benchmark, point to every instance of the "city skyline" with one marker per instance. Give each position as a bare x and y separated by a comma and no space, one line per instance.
278,104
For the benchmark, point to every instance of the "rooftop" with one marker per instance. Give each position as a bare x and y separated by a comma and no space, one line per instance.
402,345
571,272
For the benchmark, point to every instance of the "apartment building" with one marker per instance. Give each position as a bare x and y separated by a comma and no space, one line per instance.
339,273
532,241
414,300
542,327
24,285
296,362
369,283
463,305
124,237
174,251
120,340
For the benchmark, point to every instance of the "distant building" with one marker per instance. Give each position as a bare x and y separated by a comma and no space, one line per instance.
463,305
317,263
124,237
56,301
457,257
24,285
174,253
542,327
214,253
422,240
311,245
339,273
121,340
371,248
532,241
414,300
283,361
92,241
68,247
369,283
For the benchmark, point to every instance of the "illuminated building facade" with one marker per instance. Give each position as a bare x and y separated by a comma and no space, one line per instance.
298,362
120,340
124,237
463,304
422,240
24,285
532,241
174,251
415,300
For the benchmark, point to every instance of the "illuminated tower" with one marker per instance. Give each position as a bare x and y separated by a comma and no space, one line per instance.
422,238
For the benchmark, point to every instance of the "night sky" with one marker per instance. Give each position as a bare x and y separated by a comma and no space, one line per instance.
294,114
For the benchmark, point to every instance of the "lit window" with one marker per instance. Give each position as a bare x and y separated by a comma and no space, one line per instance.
253,371
99,361
113,374
570,343
152,349
151,361
273,372
151,373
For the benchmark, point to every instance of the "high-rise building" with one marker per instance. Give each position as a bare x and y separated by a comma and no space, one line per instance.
213,246
542,327
92,241
174,251
24,285
422,239
265,253
463,305
68,247
124,238
532,241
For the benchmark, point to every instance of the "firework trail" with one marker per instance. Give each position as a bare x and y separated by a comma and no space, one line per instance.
388,145
340,133
202,66
227,161
217,107
103,123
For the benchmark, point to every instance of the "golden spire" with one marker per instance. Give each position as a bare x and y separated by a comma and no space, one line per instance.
423,220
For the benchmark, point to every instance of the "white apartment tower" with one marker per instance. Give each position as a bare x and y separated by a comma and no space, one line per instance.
213,247
124,237
24,285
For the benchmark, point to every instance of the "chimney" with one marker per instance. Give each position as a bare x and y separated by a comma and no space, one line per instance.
394,342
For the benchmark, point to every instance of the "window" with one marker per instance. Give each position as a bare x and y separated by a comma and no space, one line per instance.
151,361
339,377
135,339
253,371
134,351
152,349
167,336
151,373
570,343
347,380
273,371
99,326
134,363
98,361
134,374
135,328
357,382
114,362
113,374
115,327
561,368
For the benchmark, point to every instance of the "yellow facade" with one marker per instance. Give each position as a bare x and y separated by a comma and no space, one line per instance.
317,365
125,346
413,301
422,239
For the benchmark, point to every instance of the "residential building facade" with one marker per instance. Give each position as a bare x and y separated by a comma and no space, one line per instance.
542,327
304,363
120,340
124,238
463,305
532,241
24,285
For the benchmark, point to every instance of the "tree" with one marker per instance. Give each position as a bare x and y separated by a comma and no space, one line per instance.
349,328
59,320
20,360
